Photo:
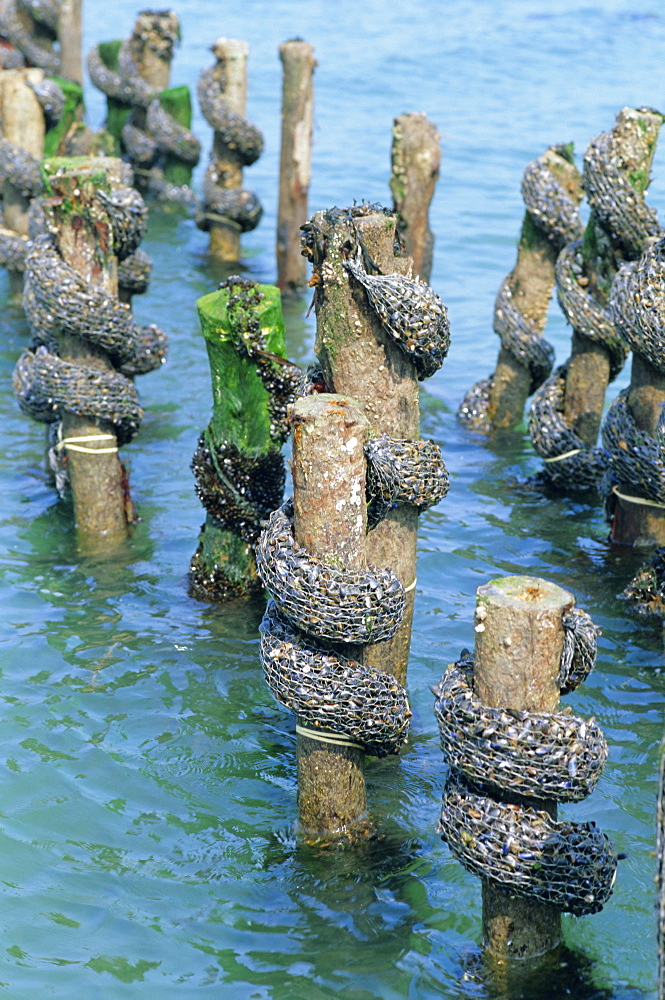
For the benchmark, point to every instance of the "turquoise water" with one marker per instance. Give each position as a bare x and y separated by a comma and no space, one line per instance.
147,777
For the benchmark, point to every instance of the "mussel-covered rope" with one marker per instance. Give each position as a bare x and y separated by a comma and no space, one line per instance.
635,459
496,754
58,299
15,29
555,214
238,208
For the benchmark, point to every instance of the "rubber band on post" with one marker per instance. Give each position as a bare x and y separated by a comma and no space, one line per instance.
325,737
566,454
411,585
641,500
74,444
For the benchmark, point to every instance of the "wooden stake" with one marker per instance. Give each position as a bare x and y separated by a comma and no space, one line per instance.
416,158
295,161
231,54
102,508
530,284
330,521
639,522
359,359
22,121
519,641
70,33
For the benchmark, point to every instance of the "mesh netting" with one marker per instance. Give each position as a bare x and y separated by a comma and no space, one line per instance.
567,460
634,458
331,693
235,207
637,304
399,472
543,755
37,50
238,489
614,181
340,605
570,866
547,202
409,311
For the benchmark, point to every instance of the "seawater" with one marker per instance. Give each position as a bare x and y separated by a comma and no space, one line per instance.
147,778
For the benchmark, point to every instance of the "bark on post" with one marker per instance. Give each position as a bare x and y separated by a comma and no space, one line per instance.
22,122
416,158
330,521
530,285
70,32
84,238
298,64
518,646
359,359
232,53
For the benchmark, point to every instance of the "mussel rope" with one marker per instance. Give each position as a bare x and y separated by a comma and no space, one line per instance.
238,208
553,211
14,29
495,753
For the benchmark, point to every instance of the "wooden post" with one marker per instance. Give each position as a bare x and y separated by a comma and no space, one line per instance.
231,54
530,286
22,122
84,238
416,158
224,566
639,522
70,32
330,521
359,359
518,646
295,161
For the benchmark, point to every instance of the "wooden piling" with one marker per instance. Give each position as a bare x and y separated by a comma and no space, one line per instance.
224,566
636,521
530,286
415,159
518,644
298,64
22,122
330,521
70,34
360,360
231,54
102,508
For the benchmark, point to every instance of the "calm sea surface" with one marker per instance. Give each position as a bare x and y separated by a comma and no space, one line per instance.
147,777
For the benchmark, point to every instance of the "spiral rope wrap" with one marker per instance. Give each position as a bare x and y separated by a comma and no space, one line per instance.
58,299
555,214
237,207
494,753
14,27
635,459
403,472
614,181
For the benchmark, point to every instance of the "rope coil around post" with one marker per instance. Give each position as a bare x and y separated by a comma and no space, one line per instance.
236,207
17,23
550,208
57,299
497,753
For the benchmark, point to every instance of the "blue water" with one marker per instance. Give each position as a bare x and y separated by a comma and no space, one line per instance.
147,777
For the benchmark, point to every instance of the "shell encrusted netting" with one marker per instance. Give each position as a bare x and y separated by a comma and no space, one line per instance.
635,460
544,755
341,605
37,47
550,207
496,754
614,181
568,462
237,207
330,693
637,304
410,312
570,866
238,489
403,472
